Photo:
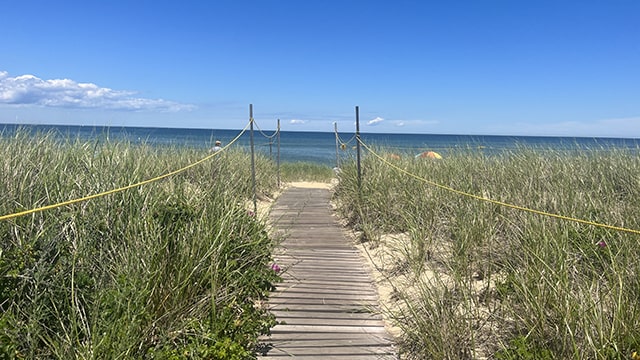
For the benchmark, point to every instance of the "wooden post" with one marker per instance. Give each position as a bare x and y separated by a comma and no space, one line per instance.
335,130
358,148
253,163
278,154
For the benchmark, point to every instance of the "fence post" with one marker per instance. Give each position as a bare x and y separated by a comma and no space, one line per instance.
253,163
358,149
335,130
278,154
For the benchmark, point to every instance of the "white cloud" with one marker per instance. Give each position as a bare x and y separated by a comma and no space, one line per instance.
414,123
66,93
375,121
297,122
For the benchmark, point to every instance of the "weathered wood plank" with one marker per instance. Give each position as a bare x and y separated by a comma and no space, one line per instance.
349,288
326,315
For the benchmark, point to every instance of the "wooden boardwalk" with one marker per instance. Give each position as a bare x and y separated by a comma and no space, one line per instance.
327,303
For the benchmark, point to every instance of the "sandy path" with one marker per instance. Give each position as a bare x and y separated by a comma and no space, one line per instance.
310,185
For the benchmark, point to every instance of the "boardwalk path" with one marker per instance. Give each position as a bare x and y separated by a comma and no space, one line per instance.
327,301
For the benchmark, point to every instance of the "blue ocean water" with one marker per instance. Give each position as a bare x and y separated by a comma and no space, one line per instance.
322,147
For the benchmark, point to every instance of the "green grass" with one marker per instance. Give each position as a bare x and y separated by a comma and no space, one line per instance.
478,280
176,269
305,171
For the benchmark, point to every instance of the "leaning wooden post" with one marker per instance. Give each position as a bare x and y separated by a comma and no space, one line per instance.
358,149
278,154
253,162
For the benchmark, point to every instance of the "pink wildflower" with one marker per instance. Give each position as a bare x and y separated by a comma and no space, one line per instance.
601,243
276,268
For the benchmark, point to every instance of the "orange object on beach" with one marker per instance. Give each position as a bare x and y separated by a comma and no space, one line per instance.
430,155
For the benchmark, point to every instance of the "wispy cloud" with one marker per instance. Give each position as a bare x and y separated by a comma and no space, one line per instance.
297,122
375,121
414,123
66,93
615,127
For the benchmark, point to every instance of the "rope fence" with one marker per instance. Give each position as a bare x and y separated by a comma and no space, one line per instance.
496,202
131,186
275,133
339,143
342,141
271,138
249,125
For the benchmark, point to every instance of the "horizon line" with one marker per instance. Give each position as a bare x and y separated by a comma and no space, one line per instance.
322,131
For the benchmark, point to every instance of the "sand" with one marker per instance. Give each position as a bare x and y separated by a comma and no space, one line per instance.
310,185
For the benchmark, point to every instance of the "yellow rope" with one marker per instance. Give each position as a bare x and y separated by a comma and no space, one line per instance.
74,201
496,202
341,141
262,132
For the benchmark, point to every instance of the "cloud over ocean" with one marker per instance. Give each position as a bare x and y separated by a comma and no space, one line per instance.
65,93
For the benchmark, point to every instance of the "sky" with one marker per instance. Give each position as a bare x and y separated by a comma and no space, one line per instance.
478,67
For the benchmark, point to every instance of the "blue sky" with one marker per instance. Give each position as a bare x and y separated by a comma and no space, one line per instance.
505,67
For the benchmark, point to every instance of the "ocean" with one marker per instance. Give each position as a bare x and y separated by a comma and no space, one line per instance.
321,147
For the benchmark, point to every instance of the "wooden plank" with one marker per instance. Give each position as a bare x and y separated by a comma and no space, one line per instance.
349,287
327,315
346,352
326,302
332,357
323,296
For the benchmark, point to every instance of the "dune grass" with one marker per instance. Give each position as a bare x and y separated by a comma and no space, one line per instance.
474,280
306,171
176,269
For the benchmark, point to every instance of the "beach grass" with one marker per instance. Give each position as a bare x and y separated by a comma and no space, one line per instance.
306,171
176,269
470,279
